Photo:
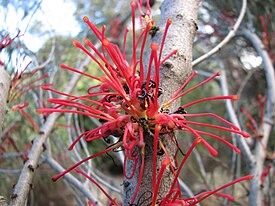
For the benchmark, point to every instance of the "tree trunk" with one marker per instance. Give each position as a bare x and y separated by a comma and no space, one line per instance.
173,73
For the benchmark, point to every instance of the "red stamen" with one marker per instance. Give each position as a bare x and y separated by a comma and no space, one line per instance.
182,116
81,106
133,5
78,139
154,48
168,23
63,66
255,131
93,181
93,27
185,83
148,8
141,138
144,35
56,177
124,43
51,110
237,150
168,56
140,174
251,119
25,114
17,95
164,164
18,76
32,82
248,177
117,58
87,41
20,106
141,53
133,169
156,140
261,108
195,87
212,151
265,172
194,144
232,97
246,135
181,88
15,83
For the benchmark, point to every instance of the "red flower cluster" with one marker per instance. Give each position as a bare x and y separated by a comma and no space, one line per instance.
5,42
127,103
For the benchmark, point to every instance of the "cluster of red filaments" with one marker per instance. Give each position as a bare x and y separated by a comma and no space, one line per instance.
126,101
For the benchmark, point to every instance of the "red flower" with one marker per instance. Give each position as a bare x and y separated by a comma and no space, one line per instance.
6,40
127,101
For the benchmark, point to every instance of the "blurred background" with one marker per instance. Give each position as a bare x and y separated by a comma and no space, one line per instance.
41,32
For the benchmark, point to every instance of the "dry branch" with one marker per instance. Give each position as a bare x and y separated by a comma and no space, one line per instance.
256,197
228,37
4,89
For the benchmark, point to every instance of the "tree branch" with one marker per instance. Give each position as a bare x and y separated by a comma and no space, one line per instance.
4,90
257,169
228,37
233,118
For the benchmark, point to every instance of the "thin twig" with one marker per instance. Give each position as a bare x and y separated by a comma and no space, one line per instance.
244,82
233,117
229,36
186,189
201,167
10,171
4,134
11,155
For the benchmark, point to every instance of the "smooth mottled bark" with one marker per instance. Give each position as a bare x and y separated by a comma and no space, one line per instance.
173,73
256,158
256,187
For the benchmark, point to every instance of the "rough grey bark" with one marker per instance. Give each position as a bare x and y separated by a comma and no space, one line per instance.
180,36
4,90
173,73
